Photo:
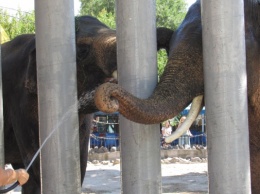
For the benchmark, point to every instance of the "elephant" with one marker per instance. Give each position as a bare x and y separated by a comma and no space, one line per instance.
96,63
183,81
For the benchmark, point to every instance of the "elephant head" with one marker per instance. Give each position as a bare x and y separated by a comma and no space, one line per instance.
96,57
183,80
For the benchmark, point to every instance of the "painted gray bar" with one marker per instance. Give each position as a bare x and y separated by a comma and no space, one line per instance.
226,96
137,68
57,93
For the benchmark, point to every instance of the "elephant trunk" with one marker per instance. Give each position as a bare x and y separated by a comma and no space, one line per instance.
181,81
111,98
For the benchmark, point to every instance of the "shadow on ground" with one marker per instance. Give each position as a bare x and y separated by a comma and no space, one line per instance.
108,181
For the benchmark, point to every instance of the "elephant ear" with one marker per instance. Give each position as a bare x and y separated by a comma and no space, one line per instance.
31,75
163,38
88,26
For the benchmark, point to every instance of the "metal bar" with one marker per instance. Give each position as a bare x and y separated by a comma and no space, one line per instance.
57,93
140,150
226,96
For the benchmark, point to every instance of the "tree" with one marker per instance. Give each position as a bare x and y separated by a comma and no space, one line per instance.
19,23
95,7
169,13
3,36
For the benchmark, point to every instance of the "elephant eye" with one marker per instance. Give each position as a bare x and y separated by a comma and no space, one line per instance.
82,51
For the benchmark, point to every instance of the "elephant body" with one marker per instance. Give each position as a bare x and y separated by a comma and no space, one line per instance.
183,80
96,64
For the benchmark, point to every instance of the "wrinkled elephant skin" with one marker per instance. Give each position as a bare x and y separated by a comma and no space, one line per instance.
20,92
182,80
96,64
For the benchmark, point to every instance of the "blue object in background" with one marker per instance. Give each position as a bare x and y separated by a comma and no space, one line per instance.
95,141
111,140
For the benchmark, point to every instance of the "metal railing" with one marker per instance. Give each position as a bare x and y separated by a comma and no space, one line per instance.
198,139
109,140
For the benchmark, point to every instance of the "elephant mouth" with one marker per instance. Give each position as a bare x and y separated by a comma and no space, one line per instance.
112,79
86,102
196,107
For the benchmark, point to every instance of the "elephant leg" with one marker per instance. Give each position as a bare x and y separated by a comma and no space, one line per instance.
31,187
84,139
255,164
255,171
83,157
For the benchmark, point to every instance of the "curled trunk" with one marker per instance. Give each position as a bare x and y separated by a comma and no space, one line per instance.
182,79
111,98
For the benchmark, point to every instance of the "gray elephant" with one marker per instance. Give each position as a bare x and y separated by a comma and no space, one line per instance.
96,64
183,80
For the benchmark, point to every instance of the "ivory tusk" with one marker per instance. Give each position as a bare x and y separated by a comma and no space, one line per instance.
192,115
114,74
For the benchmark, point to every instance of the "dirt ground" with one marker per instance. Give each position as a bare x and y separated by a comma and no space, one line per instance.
176,179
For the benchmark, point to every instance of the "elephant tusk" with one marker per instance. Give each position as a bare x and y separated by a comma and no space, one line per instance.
192,115
114,74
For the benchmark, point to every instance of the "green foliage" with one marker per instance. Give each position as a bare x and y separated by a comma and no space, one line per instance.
108,18
19,23
95,7
174,121
170,13
161,61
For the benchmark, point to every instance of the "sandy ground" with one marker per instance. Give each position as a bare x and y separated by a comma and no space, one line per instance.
176,179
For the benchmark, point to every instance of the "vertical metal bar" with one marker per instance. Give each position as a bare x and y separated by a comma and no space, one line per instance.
226,96
57,93
136,51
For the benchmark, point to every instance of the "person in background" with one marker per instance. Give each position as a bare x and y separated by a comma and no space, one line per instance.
10,176
166,131
185,138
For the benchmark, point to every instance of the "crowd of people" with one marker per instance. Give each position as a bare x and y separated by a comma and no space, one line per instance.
185,138
166,131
